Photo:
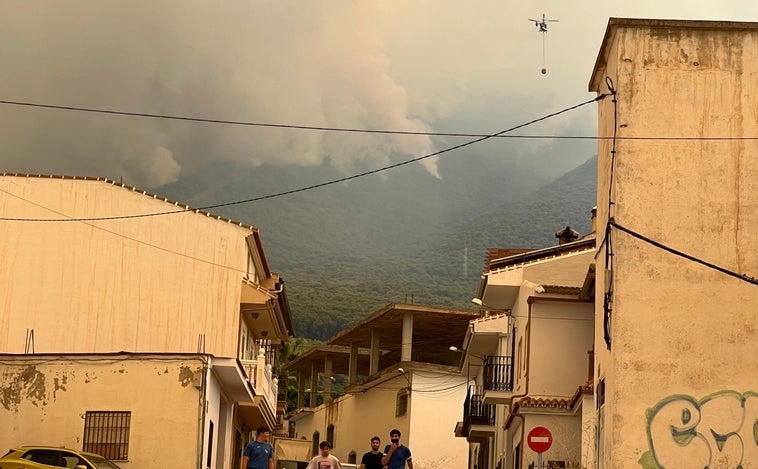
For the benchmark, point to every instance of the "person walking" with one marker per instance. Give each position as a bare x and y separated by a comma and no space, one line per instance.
259,454
324,460
396,456
373,459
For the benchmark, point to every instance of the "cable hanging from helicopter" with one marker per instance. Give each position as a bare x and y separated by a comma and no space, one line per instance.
542,27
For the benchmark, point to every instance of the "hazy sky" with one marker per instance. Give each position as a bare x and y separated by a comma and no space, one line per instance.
446,66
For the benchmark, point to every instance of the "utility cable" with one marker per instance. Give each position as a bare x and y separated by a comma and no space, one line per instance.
743,277
344,129
323,184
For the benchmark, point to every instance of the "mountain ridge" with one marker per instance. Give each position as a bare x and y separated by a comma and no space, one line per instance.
349,249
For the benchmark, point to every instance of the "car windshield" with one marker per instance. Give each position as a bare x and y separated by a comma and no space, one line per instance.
102,463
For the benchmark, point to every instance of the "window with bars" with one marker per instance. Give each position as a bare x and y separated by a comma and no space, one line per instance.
107,434
330,435
401,403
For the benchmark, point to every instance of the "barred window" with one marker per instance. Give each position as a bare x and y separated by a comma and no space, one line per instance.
330,435
401,404
107,434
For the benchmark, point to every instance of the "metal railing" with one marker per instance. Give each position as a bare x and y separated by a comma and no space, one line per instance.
498,373
475,411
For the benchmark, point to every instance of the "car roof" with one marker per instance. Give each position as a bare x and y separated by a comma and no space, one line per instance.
64,448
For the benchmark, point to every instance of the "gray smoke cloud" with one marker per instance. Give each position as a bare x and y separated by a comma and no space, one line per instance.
375,65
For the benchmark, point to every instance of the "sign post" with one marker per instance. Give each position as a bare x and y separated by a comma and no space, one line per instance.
539,440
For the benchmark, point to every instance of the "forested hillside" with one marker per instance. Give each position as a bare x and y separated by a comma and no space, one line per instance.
348,249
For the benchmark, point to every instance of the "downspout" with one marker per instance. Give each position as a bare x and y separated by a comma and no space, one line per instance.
528,349
203,409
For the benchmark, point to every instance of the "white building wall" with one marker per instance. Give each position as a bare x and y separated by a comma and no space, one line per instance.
434,407
561,339
212,414
567,437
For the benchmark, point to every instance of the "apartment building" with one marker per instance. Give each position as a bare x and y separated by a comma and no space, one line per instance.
132,325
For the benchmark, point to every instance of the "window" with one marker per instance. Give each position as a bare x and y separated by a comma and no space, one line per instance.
210,445
517,457
351,457
107,434
401,405
315,448
330,434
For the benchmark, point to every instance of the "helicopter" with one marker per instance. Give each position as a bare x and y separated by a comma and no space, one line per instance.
542,24
542,27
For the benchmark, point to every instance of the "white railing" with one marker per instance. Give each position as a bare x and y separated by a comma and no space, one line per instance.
260,375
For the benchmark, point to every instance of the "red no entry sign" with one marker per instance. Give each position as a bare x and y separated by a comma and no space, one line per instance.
539,439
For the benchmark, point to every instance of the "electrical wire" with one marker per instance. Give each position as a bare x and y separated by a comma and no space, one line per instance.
136,240
344,129
731,273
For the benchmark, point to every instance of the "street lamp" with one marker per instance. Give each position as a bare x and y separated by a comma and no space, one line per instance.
484,307
402,372
453,348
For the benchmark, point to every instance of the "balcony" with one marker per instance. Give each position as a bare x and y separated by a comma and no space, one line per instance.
265,386
498,379
478,417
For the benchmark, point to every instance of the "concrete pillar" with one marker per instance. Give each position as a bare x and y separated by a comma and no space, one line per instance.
352,373
407,347
374,358
314,384
300,389
328,379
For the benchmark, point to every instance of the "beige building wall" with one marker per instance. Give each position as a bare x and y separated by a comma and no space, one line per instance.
433,409
139,284
680,374
158,390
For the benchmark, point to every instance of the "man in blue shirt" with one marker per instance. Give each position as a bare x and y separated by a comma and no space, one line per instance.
259,454
396,455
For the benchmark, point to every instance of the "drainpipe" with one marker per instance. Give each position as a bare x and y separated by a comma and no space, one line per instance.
203,409
528,350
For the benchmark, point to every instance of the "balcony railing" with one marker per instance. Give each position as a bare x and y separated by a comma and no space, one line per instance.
260,375
498,373
475,411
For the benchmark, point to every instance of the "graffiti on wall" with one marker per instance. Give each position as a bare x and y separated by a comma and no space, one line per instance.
718,431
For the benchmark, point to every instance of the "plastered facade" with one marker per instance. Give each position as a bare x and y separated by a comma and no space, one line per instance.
679,375
44,401
138,284
434,406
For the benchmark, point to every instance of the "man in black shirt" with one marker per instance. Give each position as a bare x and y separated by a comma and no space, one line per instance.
373,459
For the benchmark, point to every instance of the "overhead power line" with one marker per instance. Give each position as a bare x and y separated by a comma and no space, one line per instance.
723,270
323,184
352,130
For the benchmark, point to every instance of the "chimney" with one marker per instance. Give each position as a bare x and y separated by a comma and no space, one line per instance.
566,235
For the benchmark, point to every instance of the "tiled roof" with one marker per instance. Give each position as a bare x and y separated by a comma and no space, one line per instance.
562,290
540,254
181,207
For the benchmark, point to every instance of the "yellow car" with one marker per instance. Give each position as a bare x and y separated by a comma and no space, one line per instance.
44,457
